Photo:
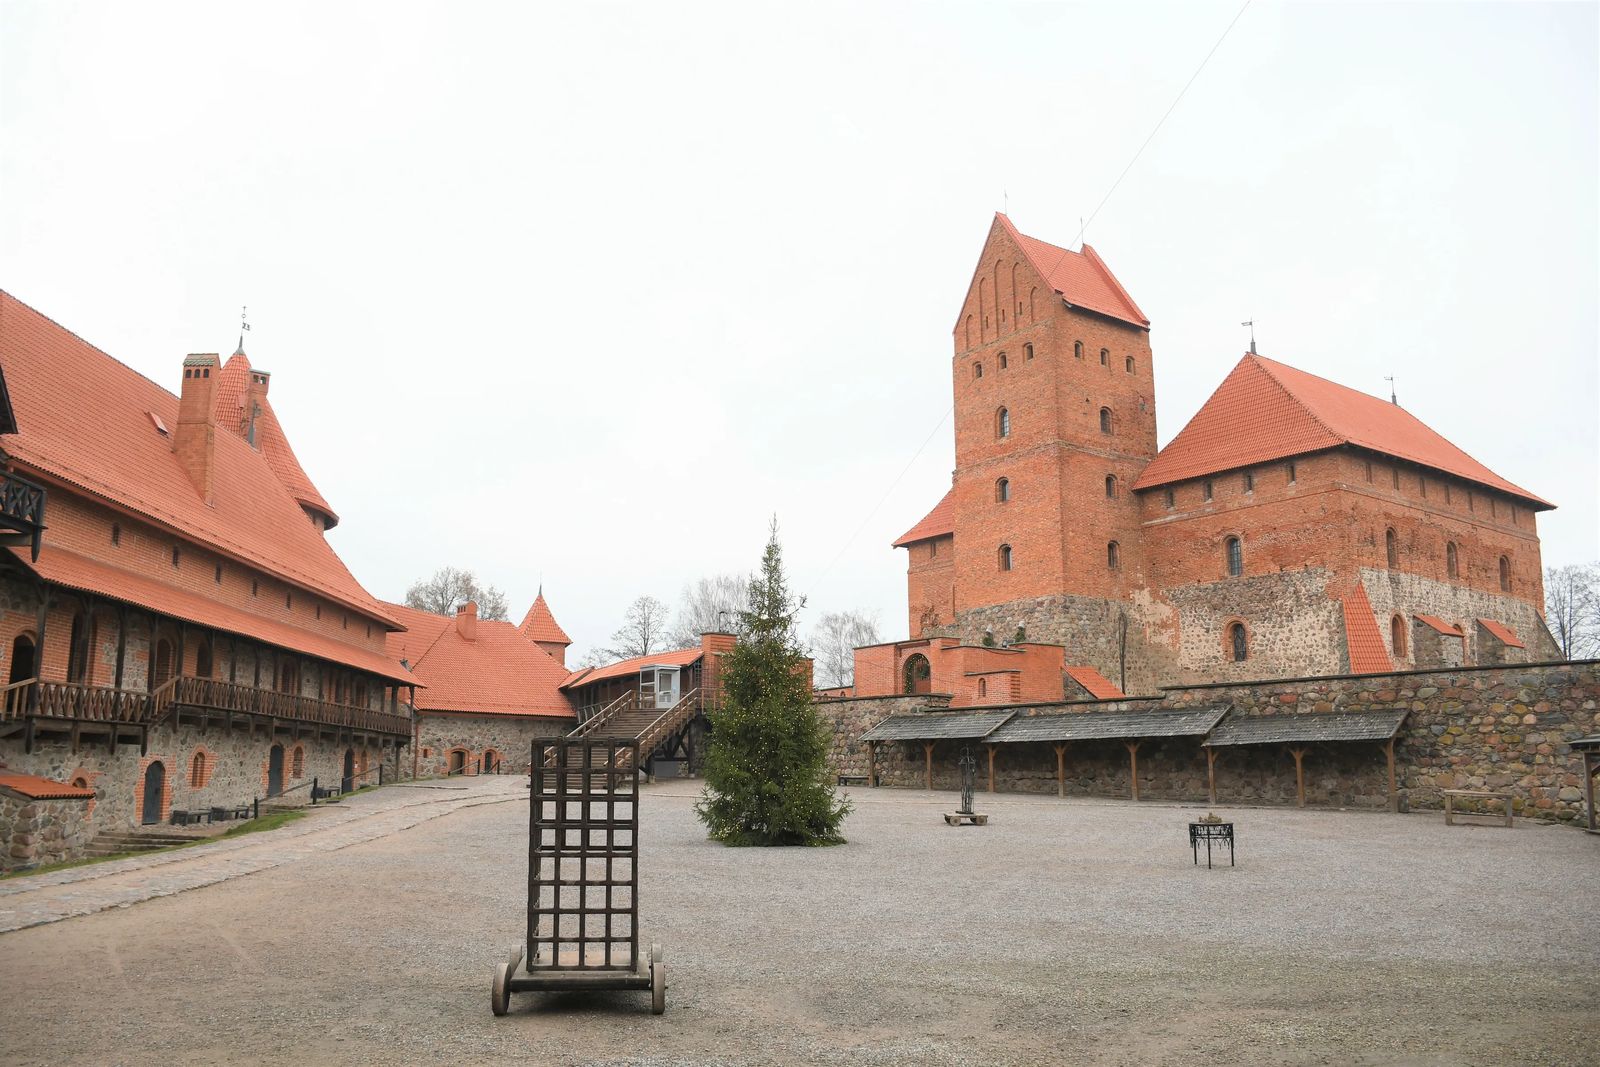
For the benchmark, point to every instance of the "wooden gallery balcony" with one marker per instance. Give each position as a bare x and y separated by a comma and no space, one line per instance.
21,512
36,709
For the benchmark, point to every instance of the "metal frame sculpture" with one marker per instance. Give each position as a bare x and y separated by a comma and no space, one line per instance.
964,815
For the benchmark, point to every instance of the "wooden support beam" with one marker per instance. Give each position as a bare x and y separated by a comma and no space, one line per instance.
991,768
1299,755
76,725
1133,766
1394,794
1061,770
927,752
872,763
122,641
1211,773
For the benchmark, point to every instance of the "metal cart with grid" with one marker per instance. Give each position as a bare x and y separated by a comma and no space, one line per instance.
583,877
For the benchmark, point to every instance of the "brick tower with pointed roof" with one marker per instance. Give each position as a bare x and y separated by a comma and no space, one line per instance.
539,626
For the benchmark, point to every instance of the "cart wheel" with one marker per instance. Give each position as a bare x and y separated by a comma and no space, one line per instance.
500,994
655,952
658,988
514,957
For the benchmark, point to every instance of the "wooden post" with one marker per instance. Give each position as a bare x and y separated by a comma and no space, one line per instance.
1299,774
1133,766
1211,772
1061,770
122,641
927,752
872,763
991,768
1591,767
1394,795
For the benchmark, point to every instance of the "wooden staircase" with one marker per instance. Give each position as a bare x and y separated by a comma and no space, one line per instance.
652,727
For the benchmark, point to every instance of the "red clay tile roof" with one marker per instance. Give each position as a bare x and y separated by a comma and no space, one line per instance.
499,672
229,402
539,624
36,788
940,522
1097,684
1506,635
1367,652
683,657
1438,624
66,567
85,419
1082,279
1264,410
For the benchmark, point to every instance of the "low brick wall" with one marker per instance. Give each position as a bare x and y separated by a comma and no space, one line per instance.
1503,728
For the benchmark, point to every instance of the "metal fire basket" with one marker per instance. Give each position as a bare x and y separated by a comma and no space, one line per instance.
583,876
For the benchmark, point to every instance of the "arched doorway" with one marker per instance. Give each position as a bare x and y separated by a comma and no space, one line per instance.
458,761
161,668
155,781
275,770
918,675
22,659
491,761
348,782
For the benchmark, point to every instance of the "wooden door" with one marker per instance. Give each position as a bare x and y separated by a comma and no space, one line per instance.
155,780
275,771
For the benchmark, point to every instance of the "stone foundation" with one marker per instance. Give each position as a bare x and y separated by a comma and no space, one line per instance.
511,736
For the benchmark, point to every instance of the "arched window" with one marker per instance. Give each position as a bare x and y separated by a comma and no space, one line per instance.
1452,561
1391,547
79,647
1027,351
1002,490
1505,575
1128,364
197,771
1238,642
1077,349
983,687
297,762
1235,552
1105,357
1291,473
1397,636
1111,486
1002,423
916,675
1169,499
1113,555
1105,420
1205,489
1003,361
977,370
1005,557
23,666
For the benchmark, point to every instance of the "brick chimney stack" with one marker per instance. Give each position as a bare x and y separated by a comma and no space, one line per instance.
195,442
260,381
467,620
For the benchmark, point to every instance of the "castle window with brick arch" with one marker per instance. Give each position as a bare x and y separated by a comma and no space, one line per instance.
1235,556
1249,482
1238,642
1002,490
977,370
1077,349
1005,557
1027,352
1169,499
1505,575
1397,636
1452,560
1291,473
199,769
1105,420
1105,357
1003,363
1113,555
1111,486
1391,548
1128,364
297,762
1002,423
1206,490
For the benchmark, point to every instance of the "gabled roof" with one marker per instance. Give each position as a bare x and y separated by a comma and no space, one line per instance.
1265,410
1506,635
1110,725
940,522
1082,278
498,672
1094,683
36,788
86,419
682,657
1368,655
231,403
539,624
1438,624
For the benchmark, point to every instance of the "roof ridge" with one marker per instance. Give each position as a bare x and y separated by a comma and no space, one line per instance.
1262,362
78,337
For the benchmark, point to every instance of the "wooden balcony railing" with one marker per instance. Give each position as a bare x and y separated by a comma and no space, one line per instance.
69,700
21,512
248,700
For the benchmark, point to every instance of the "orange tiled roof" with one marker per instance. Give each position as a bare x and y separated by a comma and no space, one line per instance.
682,657
1438,624
539,624
1367,652
1265,410
85,419
229,400
35,788
1082,278
1097,684
66,567
939,522
499,672
1506,635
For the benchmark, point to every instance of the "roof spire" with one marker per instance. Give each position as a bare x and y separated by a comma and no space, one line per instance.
1252,325
244,328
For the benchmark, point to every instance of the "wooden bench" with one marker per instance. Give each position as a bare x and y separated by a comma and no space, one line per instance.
1484,794
854,779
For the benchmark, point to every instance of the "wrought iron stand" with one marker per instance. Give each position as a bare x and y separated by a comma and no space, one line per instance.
1208,832
965,816
583,879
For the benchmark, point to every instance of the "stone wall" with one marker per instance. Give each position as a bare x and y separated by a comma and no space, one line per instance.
1088,628
1503,728
1396,592
511,736
37,832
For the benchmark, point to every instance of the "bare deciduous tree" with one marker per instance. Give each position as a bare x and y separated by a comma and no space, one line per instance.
833,643
450,588
709,605
1572,608
642,632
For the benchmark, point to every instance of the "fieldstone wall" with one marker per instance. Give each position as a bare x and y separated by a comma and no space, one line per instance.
1503,728
512,736
37,832
1294,627
1089,628
1394,592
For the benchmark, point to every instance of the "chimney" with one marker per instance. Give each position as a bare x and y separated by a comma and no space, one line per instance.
713,646
260,380
467,620
195,441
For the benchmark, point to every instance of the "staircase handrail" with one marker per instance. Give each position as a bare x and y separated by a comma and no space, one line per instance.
598,718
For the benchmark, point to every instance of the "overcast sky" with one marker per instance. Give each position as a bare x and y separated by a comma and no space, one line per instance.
588,292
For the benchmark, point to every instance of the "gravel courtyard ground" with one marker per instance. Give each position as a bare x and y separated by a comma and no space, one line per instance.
1070,931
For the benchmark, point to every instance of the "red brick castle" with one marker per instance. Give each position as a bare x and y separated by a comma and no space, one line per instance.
1294,527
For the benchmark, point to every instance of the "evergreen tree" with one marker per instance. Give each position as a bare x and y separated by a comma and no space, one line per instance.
766,767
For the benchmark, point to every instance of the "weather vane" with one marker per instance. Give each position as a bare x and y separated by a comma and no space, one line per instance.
1252,325
1393,399
244,326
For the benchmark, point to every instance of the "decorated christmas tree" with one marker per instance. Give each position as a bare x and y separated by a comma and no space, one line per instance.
766,767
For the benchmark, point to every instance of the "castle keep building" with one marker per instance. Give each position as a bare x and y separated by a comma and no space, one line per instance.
1295,527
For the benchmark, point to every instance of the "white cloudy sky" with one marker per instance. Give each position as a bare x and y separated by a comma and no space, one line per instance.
588,291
